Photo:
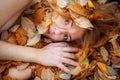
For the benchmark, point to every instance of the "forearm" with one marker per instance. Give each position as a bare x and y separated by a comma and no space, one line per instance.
15,52
8,8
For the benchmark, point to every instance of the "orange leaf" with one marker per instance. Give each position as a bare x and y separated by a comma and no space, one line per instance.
12,38
6,77
103,67
38,16
21,36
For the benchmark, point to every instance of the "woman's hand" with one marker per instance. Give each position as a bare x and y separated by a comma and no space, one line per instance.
57,54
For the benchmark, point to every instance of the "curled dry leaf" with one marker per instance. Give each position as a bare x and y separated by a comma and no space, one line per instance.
77,8
62,3
21,36
38,16
76,70
65,76
34,40
47,74
37,78
114,42
28,26
12,38
83,2
104,53
23,66
47,18
2,68
102,1
82,22
14,28
103,67
90,5
41,29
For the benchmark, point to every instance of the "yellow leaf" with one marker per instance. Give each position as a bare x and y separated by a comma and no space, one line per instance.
90,5
103,67
47,20
77,8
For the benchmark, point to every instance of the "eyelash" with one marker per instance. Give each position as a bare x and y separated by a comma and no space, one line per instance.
65,37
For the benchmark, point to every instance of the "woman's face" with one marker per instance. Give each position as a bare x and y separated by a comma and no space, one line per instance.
64,30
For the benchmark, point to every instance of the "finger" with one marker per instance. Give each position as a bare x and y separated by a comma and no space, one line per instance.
69,61
70,49
64,68
69,55
59,44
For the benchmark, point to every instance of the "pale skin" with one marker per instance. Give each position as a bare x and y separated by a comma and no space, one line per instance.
54,54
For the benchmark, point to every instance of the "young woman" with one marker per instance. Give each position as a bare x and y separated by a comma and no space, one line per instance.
54,54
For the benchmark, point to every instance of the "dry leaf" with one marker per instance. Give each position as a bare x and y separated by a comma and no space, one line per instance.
38,16
90,5
76,70
65,76
2,68
82,22
62,3
47,19
37,78
77,8
83,2
47,74
102,1
41,29
104,53
103,67
14,28
21,36
34,40
23,66
28,26
12,38
114,42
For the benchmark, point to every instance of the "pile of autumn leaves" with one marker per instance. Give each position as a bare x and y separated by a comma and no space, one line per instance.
101,63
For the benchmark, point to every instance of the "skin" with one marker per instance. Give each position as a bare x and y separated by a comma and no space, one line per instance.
54,54
64,30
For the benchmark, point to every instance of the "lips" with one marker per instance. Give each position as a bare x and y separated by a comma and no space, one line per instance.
48,31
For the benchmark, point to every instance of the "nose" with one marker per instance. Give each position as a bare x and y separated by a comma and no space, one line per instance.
60,31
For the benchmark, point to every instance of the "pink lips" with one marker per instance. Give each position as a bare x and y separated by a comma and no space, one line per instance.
48,31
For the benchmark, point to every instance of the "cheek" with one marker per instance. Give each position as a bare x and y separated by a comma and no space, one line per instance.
56,37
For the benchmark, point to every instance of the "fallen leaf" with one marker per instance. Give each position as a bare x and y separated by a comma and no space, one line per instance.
12,38
103,67
34,40
21,36
23,66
